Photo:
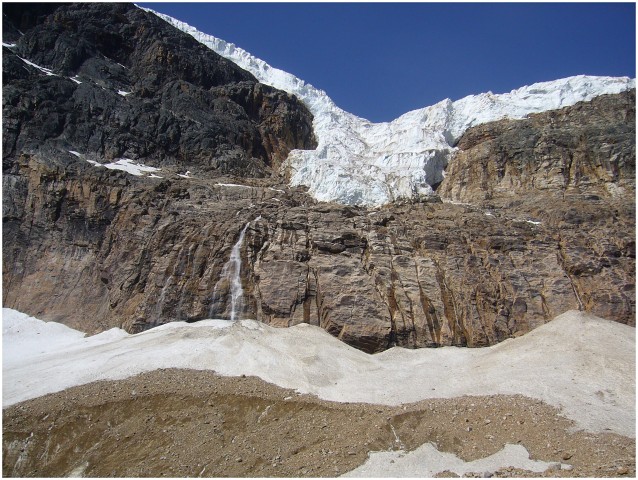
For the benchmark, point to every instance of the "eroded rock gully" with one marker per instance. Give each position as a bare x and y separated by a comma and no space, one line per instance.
547,221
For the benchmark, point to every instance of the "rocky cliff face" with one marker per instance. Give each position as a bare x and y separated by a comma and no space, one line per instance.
92,85
112,81
573,170
586,149
546,221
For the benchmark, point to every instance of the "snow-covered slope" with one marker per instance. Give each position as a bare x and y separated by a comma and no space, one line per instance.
582,364
364,163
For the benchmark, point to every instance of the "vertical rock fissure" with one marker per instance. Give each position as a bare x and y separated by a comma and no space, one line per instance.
482,320
449,307
428,310
392,307
562,260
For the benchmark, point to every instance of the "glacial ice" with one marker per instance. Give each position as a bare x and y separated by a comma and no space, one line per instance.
359,162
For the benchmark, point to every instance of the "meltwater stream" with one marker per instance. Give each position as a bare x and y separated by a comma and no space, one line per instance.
231,274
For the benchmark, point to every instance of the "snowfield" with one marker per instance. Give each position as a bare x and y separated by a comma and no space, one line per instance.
359,162
579,363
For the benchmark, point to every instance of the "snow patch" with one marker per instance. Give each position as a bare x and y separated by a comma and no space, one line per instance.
129,166
42,69
365,163
123,93
232,185
8,45
45,70
427,461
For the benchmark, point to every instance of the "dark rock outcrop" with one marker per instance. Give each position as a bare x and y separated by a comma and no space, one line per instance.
547,221
123,83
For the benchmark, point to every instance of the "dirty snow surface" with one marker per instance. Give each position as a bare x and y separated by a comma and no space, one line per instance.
579,363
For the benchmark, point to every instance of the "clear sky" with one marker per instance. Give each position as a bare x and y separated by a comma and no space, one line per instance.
380,60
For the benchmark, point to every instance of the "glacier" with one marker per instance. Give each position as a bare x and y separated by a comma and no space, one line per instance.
358,162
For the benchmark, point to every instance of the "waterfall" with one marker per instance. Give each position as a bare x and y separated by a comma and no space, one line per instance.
231,275
232,271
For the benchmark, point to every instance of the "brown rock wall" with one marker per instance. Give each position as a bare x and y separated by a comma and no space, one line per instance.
437,274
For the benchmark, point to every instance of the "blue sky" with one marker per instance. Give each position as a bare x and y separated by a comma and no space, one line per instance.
380,60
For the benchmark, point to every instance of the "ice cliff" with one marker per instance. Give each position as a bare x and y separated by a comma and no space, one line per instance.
359,162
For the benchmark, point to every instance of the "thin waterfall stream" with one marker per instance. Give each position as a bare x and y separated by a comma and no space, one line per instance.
231,274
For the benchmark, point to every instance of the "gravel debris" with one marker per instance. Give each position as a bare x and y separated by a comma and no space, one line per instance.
190,423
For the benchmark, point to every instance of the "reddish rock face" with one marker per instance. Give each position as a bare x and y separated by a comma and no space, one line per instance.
573,170
547,221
